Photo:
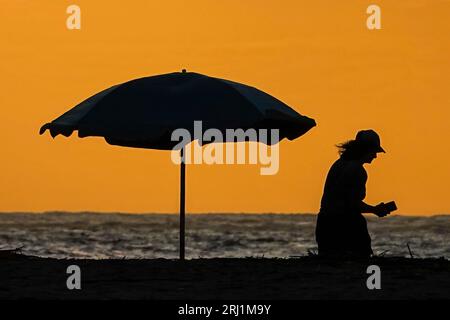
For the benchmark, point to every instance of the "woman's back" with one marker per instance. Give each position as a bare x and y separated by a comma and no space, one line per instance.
341,228
345,188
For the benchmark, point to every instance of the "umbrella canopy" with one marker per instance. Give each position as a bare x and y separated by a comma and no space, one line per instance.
143,113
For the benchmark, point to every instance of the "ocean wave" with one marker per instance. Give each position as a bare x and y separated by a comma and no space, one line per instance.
114,235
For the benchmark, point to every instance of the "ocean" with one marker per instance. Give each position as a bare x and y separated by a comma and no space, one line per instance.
111,235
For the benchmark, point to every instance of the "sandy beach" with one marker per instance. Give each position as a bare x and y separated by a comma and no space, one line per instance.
27,277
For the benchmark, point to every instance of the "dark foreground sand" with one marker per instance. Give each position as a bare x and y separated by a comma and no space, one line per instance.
244,278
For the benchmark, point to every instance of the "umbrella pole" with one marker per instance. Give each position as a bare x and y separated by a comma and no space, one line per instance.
182,202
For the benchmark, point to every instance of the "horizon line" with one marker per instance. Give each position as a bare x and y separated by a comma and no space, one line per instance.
197,213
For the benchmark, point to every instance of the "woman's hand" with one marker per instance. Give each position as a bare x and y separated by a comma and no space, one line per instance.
381,210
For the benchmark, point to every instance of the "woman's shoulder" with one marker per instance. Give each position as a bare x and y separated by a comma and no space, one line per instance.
350,167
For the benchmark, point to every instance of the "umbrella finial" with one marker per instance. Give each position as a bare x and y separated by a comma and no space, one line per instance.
183,71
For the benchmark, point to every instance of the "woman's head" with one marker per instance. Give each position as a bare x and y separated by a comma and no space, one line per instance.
364,147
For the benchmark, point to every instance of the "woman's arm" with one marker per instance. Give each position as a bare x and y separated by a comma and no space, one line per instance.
366,208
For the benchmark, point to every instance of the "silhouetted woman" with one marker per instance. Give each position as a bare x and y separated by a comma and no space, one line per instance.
341,228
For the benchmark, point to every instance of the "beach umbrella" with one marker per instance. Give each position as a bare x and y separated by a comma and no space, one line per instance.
143,113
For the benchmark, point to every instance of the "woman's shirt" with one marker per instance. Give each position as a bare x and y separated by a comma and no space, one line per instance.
345,188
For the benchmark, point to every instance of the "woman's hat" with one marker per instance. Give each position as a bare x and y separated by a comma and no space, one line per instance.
370,139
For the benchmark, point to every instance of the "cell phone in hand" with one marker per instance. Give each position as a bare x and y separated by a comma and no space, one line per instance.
390,206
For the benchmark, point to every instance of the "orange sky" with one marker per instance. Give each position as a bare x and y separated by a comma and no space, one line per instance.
317,56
